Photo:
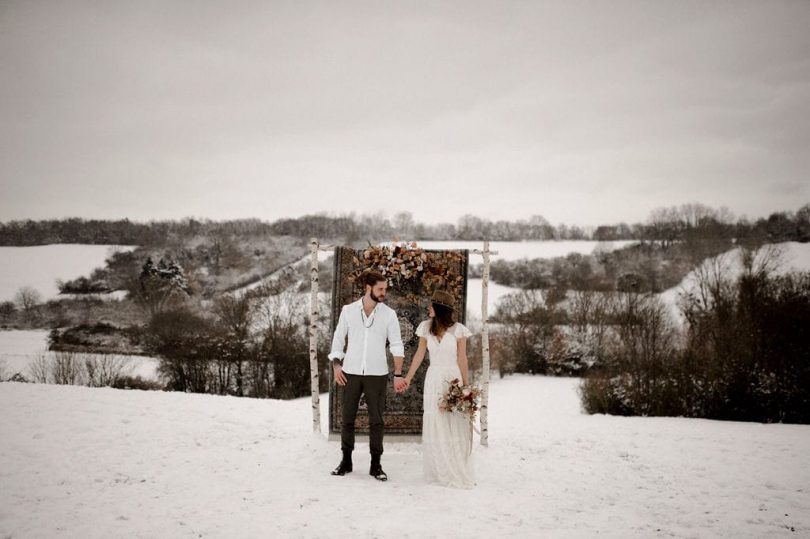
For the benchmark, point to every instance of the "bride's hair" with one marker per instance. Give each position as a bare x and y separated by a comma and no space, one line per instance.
443,319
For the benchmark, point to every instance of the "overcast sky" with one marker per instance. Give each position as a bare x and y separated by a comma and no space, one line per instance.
583,112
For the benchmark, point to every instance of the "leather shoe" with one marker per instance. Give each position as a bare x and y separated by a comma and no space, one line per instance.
377,473
343,468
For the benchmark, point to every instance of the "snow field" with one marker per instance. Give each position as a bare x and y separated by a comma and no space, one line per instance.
103,462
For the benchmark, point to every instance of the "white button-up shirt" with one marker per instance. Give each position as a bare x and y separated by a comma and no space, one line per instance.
365,354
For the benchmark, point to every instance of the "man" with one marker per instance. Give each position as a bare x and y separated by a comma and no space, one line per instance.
363,368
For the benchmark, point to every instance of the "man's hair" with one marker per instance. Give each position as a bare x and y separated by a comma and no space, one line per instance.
371,277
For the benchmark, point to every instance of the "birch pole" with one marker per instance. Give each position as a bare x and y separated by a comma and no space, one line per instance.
485,347
314,373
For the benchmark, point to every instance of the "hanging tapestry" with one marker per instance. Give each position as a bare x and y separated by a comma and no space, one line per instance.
413,275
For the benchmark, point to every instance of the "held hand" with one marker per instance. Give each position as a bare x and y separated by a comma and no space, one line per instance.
401,384
340,378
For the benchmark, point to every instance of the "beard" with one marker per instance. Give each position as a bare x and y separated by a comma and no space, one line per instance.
376,299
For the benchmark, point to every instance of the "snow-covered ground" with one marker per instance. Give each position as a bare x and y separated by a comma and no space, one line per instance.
276,274
20,348
40,266
516,250
115,295
791,257
80,462
494,294
507,250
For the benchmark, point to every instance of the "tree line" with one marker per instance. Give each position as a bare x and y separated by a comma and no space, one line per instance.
123,231
664,225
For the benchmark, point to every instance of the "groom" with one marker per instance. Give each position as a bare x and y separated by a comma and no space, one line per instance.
363,368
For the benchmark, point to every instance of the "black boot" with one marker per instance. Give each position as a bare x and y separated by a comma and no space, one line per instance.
345,465
376,470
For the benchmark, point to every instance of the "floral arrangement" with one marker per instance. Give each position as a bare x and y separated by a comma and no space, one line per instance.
460,398
406,261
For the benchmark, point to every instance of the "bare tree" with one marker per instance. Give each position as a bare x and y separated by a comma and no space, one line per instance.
40,369
27,298
590,319
708,287
235,314
695,214
104,370
67,369
644,350
525,327
665,225
762,262
745,353
280,367
581,309
404,224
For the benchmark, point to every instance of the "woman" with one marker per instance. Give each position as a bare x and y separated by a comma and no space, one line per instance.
446,436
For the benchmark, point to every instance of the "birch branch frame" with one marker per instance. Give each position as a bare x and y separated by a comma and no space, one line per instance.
313,335
485,346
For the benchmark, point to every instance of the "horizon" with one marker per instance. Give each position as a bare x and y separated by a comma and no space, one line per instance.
390,215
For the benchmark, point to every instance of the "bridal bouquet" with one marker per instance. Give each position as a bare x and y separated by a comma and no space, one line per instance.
459,398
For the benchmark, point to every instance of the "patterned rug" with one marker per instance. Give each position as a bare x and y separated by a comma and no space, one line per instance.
413,276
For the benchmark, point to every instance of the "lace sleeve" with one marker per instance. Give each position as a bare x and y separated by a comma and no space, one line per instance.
422,328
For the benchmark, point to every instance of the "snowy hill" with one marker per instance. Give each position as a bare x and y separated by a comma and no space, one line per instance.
516,250
40,266
507,250
80,462
791,257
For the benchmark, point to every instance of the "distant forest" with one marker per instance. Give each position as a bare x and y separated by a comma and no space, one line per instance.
676,223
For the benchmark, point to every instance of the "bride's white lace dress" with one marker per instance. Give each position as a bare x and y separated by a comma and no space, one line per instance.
446,436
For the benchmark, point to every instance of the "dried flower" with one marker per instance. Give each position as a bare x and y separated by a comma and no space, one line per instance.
459,398
407,261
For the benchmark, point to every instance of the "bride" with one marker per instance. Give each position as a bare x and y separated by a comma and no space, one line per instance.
446,436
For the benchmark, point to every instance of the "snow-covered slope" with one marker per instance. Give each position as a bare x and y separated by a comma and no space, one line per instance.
790,257
507,250
80,462
40,266
516,250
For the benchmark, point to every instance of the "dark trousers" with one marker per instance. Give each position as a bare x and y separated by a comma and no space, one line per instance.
374,388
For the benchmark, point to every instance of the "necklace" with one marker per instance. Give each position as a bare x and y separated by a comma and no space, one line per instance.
363,316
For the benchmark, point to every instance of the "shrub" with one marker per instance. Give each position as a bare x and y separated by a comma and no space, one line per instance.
745,354
39,369
103,370
67,369
137,382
